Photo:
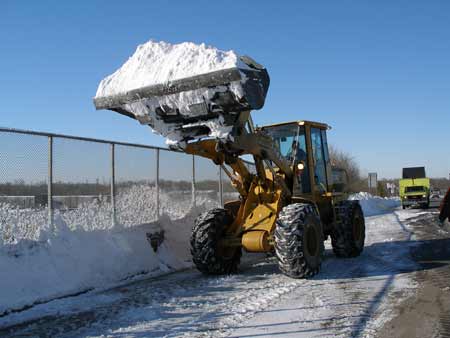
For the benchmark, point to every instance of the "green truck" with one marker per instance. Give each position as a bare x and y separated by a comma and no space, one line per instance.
414,187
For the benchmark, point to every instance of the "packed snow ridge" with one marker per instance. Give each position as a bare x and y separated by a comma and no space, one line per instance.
160,62
84,251
375,205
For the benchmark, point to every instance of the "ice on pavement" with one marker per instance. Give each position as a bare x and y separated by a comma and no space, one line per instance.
161,62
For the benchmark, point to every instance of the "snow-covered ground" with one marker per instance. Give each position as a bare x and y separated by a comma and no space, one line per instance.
350,297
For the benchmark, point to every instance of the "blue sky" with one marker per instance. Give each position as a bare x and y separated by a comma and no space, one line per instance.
377,71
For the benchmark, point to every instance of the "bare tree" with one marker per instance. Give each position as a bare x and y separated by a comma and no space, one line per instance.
441,183
343,160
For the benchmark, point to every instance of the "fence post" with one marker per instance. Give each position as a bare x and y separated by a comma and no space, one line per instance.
157,184
50,184
113,185
220,187
194,193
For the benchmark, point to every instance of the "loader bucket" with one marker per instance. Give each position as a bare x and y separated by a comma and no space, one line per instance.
204,105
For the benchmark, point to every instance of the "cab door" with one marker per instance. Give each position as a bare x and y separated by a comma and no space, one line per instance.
319,160
321,173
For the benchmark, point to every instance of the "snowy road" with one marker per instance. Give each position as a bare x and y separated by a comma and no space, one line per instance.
349,298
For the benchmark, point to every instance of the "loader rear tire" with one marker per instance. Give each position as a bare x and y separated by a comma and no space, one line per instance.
207,255
348,235
299,240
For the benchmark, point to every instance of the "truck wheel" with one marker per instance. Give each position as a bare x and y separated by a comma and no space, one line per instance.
299,240
208,256
348,235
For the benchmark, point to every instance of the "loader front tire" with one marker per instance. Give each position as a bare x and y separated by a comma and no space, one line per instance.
348,235
207,254
299,240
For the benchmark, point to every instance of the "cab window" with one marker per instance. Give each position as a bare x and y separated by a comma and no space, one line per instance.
319,159
291,142
284,137
302,157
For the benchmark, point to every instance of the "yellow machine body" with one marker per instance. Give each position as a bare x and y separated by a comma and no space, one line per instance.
263,195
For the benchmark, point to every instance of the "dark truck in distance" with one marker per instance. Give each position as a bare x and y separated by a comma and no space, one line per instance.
414,187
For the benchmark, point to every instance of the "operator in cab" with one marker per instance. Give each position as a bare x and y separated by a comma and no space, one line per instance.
296,153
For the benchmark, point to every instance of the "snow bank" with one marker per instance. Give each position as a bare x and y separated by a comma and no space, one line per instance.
375,205
16,223
84,251
135,204
74,261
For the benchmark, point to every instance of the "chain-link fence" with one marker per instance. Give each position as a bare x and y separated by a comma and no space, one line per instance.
90,184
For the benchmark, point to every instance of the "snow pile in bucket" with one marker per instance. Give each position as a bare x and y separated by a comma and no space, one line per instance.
375,205
77,256
158,63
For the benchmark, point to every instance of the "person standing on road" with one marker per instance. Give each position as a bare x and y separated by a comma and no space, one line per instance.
444,212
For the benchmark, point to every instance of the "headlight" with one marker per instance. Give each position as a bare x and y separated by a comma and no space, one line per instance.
424,195
300,166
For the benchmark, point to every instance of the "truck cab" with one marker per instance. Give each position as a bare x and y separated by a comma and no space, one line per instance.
415,192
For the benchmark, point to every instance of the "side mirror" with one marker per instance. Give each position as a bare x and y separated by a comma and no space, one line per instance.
339,179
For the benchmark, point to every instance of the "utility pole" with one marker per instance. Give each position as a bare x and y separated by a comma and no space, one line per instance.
372,183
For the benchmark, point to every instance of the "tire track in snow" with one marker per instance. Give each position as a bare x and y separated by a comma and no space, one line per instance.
392,263
355,302
182,292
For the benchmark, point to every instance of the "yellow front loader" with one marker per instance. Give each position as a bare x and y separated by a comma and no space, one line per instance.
288,206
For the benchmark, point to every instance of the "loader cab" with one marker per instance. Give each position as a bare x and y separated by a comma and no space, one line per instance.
304,144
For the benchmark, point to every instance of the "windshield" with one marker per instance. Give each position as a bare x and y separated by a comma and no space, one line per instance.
290,141
417,188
